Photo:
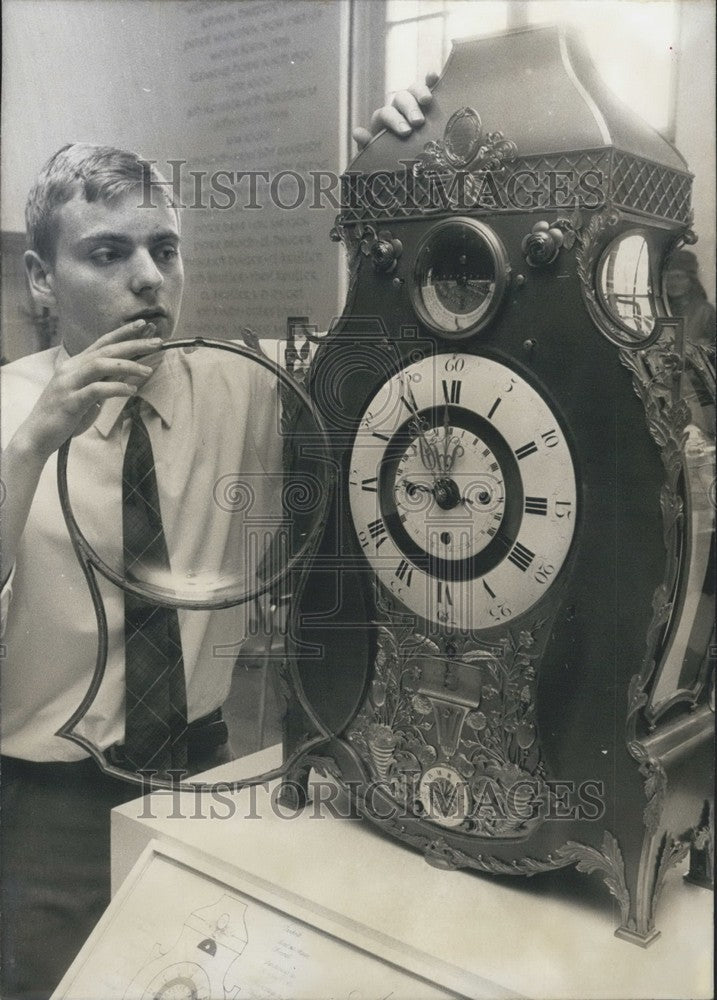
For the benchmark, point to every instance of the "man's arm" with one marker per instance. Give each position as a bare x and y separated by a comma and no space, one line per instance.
68,405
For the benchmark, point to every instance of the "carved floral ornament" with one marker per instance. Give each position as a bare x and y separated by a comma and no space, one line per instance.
543,243
653,374
465,146
479,758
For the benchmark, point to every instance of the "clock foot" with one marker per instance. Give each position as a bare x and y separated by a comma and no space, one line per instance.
660,854
436,861
294,791
635,937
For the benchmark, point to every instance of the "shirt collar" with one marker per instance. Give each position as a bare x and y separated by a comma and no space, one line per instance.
159,391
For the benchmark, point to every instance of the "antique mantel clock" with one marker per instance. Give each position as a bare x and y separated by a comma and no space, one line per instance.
508,625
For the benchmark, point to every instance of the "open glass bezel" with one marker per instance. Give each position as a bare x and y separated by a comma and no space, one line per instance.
293,566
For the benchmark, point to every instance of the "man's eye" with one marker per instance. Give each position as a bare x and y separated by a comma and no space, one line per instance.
104,255
167,253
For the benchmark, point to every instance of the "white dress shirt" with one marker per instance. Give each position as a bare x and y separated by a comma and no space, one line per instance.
213,423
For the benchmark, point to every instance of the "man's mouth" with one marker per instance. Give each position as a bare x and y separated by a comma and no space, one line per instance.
151,315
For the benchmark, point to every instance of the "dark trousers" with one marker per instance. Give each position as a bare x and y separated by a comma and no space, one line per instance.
55,863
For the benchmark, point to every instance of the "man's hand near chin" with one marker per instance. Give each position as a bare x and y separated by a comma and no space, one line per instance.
68,405
82,382
402,115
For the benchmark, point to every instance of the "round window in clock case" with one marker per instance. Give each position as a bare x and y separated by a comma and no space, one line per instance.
460,277
625,287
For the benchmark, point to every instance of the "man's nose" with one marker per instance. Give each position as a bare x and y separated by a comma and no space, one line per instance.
145,273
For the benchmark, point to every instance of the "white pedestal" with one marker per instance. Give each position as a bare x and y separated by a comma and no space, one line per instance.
547,937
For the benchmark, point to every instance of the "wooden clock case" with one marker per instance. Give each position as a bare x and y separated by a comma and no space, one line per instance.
595,704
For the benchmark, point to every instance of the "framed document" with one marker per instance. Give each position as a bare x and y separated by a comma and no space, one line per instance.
182,929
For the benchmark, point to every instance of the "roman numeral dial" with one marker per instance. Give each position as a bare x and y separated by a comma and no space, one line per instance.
462,491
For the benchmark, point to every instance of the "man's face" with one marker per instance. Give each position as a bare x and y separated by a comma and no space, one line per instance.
115,262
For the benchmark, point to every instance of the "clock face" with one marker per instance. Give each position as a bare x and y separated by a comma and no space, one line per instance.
460,277
462,491
444,796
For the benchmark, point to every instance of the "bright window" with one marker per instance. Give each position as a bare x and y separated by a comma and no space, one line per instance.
634,44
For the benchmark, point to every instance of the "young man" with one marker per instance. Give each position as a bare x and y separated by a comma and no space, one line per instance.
112,273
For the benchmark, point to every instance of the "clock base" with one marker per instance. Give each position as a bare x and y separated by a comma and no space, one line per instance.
633,860
643,940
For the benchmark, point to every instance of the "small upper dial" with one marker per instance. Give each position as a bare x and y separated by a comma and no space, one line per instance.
460,276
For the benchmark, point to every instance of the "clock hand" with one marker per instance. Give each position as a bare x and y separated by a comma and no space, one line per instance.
450,460
447,461
484,498
446,428
429,453
411,488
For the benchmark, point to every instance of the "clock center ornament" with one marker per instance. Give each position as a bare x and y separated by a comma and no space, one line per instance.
509,620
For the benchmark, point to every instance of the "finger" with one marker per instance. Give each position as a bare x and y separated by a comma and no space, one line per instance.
99,391
128,330
151,361
115,369
361,137
92,399
390,118
151,364
407,104
131,348
431,79
421,94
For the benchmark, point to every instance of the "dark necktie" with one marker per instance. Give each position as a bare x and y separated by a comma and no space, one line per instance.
155,689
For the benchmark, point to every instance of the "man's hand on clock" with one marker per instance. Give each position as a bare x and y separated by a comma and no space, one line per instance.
402,115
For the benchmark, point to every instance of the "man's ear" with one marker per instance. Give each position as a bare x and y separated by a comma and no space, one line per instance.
41,280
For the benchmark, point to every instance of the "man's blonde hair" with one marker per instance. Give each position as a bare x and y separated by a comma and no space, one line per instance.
95,173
